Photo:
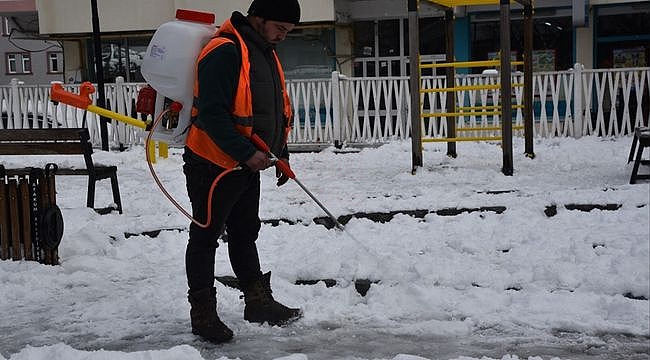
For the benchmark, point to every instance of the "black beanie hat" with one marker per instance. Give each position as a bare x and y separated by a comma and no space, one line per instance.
277,10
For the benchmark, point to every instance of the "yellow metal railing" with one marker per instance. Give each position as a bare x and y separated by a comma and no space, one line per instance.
485,107
452,3
462,113
468,64
487,128
468,87
455,139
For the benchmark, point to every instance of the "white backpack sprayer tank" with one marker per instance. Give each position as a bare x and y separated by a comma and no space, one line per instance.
169,67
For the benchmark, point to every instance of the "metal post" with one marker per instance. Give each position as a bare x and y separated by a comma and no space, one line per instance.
528,81
13,117
578,111
506,90
451,82
99,73
414,84
336,110
120,107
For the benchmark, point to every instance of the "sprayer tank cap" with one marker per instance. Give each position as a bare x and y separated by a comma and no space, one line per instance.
196,16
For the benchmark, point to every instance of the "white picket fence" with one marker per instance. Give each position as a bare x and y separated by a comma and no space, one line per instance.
360,111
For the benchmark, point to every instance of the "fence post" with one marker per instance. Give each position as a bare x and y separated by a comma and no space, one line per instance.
578,93
54,121
120,128
336,110
414,84
13,121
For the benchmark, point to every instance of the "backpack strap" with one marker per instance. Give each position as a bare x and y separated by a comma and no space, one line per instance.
195,100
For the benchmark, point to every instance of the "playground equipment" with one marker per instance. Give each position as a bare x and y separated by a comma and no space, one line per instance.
505,86
466,111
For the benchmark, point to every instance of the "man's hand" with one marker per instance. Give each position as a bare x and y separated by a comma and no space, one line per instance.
282,177
259,161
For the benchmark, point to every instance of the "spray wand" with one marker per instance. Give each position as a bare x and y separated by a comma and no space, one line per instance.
284,167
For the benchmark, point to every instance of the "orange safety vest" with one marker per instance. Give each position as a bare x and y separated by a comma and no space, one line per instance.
242,112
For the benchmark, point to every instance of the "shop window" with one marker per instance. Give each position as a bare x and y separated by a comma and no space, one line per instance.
137,49
432,36
552,39
623,40
308,53
389,37
121,57
381,47
624,24
364,38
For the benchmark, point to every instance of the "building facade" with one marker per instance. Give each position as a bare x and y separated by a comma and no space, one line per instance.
25,58
361,38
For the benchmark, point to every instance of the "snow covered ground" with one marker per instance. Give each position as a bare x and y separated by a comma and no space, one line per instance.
506,278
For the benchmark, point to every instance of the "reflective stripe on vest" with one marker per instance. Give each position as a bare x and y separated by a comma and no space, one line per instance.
242,112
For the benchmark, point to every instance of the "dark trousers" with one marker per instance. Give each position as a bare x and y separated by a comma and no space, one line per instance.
235,208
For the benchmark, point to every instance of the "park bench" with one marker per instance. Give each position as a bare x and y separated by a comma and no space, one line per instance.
640,142
60,141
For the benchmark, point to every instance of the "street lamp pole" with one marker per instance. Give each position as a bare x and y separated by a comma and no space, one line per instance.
99,73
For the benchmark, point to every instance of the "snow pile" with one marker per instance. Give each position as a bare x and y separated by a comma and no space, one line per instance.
466,263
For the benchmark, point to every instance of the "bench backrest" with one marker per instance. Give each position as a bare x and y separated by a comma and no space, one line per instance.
60,141
44,141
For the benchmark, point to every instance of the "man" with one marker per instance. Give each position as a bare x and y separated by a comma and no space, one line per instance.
239,91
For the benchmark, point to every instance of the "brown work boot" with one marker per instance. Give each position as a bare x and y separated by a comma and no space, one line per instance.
205,321
261,307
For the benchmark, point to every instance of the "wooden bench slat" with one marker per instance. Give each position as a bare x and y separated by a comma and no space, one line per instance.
41,148
62,171
60,134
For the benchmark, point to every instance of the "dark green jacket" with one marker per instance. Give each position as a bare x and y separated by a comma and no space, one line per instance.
218,76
